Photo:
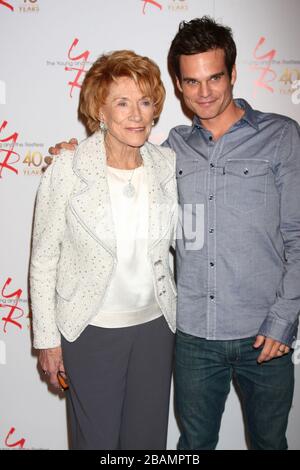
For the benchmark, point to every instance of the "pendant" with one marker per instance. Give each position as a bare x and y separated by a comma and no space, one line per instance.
129,190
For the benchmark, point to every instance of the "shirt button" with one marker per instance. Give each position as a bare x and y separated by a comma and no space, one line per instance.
211,230
246,171
180,172
211,297
211,197
212,264
210,138
212,165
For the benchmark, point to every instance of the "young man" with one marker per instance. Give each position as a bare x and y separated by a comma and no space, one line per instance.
238,273
239,292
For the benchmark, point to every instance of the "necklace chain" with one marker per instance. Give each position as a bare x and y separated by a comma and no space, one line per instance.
129,189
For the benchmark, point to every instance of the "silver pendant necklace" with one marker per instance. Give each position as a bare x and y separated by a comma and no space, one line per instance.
129,190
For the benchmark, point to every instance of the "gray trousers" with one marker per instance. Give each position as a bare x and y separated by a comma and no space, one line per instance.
119,386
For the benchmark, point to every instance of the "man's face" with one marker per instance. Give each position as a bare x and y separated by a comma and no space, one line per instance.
205,83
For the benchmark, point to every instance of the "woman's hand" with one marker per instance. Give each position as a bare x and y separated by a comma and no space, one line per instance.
51,362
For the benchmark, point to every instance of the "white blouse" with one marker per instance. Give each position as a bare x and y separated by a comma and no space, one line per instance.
130,298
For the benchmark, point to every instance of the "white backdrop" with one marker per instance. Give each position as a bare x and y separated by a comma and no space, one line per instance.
45,47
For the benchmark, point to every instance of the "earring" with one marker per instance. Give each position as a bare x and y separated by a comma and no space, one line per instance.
103,126
153,123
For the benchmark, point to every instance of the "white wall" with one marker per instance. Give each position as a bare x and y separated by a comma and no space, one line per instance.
35,102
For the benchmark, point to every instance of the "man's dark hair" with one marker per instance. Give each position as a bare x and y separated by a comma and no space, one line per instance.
202,35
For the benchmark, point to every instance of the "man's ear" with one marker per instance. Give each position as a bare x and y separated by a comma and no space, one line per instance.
233,75
178,84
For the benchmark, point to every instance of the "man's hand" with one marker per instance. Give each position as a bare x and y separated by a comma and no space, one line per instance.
271,348
51,362
71,145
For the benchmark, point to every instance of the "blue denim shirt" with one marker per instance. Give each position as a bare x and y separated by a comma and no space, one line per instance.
238,240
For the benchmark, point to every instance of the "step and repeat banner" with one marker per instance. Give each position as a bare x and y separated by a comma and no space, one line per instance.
46,47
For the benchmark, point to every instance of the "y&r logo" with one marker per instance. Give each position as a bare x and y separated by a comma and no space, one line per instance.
296,93
10,319
151,2
6,163
80,70
267,74
172,5
7,5
18,444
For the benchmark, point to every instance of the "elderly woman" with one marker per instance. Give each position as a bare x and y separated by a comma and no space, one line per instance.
103,296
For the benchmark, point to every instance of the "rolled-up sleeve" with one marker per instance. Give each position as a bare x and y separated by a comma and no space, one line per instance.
282,320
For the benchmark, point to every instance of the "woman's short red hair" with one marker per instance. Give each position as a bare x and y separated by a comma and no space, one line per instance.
110,67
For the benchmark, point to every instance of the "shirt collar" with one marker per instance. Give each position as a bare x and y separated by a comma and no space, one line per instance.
249,116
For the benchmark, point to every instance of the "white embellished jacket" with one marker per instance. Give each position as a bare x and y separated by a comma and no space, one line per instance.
71,262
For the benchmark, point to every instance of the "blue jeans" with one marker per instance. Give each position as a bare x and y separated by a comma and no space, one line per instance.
203,373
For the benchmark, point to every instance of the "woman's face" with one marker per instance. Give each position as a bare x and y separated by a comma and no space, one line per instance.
127,113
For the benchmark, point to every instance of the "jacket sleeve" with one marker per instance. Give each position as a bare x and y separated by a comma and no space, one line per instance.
282,320
48,230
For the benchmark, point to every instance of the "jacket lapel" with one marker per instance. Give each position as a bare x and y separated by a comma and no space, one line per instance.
91,199
161,204
91,202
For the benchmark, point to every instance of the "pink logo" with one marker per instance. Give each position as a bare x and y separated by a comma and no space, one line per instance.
12,308
5,163
150,2
7,5
267,74
81,70
19,444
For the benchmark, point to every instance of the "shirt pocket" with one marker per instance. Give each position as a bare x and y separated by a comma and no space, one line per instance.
245,183
190,180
